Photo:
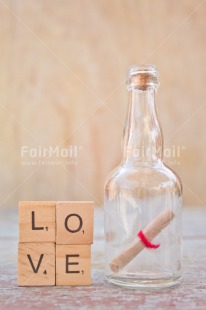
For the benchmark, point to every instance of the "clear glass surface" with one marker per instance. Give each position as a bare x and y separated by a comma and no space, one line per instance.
140,190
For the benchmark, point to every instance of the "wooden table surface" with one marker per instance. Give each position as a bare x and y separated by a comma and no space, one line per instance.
191,294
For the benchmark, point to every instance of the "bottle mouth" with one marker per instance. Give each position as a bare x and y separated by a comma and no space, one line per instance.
142,76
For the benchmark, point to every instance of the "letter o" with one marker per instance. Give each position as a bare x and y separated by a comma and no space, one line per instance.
80,223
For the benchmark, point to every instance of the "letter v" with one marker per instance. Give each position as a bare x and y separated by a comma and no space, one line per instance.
35,270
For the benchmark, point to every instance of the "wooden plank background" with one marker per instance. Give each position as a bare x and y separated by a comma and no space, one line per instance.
62,83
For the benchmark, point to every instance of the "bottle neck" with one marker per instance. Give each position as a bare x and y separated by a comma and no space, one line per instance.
142,141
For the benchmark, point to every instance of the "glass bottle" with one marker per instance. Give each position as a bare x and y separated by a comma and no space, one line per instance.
143,197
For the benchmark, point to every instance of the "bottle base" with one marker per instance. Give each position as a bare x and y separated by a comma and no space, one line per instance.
144,284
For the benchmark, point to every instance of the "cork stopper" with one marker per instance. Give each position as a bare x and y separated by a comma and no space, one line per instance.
141,77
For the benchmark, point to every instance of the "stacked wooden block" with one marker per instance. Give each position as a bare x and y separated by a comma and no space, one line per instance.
55,243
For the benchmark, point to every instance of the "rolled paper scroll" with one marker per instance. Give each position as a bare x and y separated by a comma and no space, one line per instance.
148,233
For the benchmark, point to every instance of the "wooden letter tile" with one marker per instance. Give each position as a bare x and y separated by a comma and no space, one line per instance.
36,264
37,221
74,222
73,265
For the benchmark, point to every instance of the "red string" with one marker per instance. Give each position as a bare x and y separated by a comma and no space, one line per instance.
146,242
